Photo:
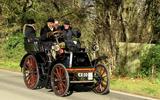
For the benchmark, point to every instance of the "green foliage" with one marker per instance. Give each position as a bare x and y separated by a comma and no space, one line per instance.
150,61
13,47
15,13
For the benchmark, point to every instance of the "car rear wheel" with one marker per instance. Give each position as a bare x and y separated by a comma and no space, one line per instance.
31,73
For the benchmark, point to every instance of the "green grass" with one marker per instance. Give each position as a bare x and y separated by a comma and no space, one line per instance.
10,65
145,87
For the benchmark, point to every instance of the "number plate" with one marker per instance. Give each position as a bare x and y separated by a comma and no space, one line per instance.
86,75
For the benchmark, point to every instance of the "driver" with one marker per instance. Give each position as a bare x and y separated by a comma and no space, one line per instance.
45,34
49,27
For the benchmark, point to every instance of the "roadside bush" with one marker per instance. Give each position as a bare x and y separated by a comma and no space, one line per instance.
13,47
150,61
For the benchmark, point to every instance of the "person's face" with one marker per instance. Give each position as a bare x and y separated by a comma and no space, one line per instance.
50,24
56,24
66,26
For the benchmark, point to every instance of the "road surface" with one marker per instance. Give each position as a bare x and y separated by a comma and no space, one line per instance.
13,88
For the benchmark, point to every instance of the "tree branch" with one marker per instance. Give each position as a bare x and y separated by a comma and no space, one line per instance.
27,5
56,5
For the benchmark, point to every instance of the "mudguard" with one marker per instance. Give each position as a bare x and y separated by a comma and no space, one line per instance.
37,56
22,60
95,61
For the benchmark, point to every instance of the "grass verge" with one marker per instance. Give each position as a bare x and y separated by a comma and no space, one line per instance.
145,87
9,65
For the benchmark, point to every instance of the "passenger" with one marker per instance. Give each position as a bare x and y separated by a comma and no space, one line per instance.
69,33
29,34
29,30
49,27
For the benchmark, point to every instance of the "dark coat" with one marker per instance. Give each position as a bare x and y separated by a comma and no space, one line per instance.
70,33
43,33
68,39
29,31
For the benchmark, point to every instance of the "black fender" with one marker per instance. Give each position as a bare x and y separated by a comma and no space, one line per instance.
95,61
38,57
22,60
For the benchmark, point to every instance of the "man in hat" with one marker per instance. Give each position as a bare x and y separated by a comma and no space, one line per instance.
49,27
69,33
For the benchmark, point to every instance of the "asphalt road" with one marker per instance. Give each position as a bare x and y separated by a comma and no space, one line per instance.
13,88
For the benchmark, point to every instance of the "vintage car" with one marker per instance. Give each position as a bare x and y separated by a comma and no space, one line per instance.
52,65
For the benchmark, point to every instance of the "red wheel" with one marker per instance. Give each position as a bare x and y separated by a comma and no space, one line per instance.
60,80
30,72
102,80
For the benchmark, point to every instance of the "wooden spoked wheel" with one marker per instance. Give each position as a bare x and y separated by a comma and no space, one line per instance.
60,80
30,72
101,85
